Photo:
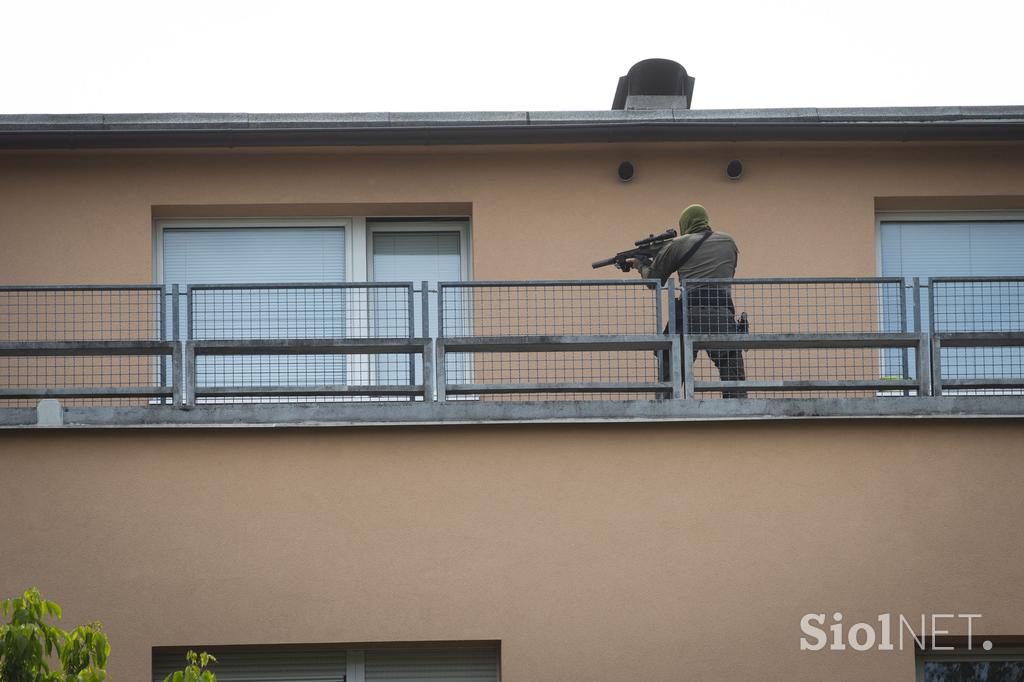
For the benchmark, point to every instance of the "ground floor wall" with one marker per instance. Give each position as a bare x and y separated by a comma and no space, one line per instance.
592,552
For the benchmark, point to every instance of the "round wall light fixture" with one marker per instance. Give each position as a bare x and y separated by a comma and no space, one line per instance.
626,171
734,169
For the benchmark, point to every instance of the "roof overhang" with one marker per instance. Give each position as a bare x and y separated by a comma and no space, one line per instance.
99,131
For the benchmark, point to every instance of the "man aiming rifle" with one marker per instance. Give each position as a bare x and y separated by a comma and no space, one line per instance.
697,253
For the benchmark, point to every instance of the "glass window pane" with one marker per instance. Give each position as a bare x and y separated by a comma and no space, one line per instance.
434,256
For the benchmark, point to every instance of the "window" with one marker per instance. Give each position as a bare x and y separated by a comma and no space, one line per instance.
928,246
932,247
265,254
400,663
417,251
215,254
971,666
194,252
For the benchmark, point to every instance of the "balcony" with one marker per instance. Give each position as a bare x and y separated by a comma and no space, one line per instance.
517,351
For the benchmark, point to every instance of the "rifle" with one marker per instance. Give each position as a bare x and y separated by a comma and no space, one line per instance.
645,251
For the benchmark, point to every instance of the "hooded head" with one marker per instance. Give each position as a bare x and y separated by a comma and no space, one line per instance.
694,219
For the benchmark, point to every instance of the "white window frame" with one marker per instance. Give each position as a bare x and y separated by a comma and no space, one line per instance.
358,268
358,255
460,225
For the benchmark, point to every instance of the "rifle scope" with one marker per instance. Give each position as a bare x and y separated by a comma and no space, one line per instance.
651,238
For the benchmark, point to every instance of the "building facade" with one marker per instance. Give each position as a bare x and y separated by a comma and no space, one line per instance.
640,528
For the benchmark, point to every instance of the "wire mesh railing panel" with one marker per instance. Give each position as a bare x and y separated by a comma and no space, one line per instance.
977,305
301,375
811,308
967,307
242,312
817,365
553,308
549,308
89,372
1004,364
314,311
563,368
807,306
80,313
42,315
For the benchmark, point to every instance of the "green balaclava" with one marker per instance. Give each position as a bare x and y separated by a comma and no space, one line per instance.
694,219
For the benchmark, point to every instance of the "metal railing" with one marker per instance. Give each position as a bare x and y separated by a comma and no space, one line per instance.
314,342
103,345
564,339
823,336
976,326
510,341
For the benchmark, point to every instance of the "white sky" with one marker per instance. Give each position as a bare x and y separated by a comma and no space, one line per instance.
435,55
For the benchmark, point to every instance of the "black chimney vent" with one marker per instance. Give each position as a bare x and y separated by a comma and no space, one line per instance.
654,84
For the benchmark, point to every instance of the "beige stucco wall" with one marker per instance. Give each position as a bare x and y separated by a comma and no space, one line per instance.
801,209
592,553
658,552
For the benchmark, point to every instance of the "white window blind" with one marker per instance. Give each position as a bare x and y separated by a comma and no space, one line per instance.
951,249
260,255
417,256
241,255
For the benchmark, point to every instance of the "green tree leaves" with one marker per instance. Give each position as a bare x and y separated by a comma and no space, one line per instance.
84,654
196,670
28,642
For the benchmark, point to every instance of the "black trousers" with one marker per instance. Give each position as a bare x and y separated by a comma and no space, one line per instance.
714,314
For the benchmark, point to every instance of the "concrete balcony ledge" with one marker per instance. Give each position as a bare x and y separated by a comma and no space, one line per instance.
52,415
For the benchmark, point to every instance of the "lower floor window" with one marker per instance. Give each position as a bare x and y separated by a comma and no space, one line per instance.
398,663
974,671
975,665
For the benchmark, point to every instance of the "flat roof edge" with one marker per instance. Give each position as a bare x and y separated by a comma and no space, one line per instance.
71,131
413,136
